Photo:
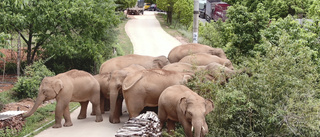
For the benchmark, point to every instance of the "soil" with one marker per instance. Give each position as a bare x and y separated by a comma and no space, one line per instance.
6,83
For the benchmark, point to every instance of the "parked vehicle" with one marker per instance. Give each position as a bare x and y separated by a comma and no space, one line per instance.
202,9
153,7
146,6
215,10
137,9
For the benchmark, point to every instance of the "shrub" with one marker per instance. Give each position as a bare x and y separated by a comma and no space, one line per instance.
281,98
27,85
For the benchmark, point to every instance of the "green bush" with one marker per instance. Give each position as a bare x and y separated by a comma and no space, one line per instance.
281,98
27,85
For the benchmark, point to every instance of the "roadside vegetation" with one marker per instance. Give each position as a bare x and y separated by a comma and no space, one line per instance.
58,36
281,97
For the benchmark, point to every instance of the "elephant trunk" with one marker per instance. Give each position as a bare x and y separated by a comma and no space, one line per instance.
114,112
38,102
200,128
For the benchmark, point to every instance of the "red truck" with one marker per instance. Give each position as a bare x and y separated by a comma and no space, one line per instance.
214,10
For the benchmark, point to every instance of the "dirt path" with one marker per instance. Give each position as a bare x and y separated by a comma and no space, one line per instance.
148,38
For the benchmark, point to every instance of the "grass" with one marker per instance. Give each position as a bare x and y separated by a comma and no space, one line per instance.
124,42
174,30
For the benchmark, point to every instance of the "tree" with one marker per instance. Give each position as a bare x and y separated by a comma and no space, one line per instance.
244,28
3,41
41,22
167,5
183,9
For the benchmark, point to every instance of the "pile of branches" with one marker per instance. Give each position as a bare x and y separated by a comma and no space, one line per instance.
144,125
14,123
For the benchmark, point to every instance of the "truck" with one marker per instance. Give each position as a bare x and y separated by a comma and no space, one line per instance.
215,10
137,9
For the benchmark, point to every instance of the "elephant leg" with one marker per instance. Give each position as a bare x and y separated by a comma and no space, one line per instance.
102,100
171,126
107,104
162,115
134,106
83,110
67,117
60,107
120,101
96,108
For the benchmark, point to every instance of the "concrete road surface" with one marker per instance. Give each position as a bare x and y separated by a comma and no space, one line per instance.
148,38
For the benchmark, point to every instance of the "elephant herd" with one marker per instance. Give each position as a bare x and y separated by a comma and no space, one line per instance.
142,81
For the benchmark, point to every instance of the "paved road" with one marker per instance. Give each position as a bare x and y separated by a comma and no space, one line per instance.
148,38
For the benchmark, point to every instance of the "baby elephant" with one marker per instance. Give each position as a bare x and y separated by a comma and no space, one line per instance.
180,104
71,86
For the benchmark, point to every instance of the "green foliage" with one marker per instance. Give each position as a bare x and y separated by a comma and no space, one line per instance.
124,4
56,23
183,11
27,85
3,41
306,34
280,99
277,8
239,34
314,11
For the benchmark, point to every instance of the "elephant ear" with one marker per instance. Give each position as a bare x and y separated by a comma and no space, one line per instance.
209,106
186,77
183,104
131,79
57,86
160,62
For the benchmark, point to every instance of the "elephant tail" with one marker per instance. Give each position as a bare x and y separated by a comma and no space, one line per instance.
131,80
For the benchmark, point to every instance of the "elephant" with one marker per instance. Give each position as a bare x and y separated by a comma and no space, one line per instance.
121,62
71,86
177,53
103,80
115,87
143,88
183,67
178,103
202,59
213,71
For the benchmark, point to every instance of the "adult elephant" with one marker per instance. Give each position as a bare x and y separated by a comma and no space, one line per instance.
180,104
143,88
213,71
115,88
203,59
71,86
121,62
177,53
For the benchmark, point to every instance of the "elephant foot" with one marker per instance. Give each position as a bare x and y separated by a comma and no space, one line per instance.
113,121
93,114
82,116
99,119
67,124
57,126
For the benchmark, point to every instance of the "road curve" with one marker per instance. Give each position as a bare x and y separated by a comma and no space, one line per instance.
148,38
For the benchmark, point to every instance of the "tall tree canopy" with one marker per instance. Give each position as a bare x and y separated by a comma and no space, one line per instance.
41,22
